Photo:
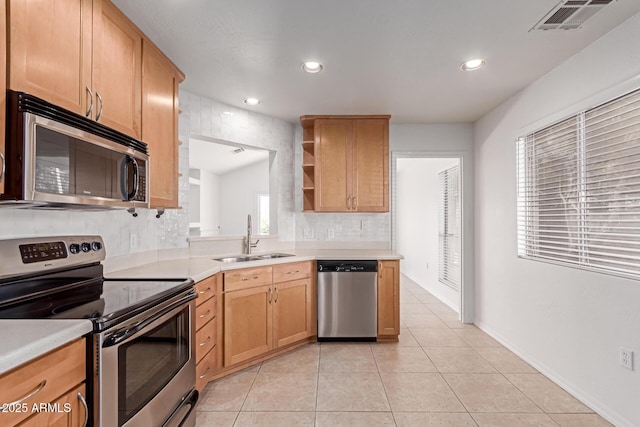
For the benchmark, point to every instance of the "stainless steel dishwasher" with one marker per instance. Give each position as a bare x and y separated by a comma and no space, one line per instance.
347,300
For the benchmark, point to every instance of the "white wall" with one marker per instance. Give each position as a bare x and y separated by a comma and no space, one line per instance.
443,140
209,203
238,197
567,322
417,206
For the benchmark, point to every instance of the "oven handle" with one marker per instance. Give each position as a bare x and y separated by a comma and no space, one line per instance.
191,399
121,335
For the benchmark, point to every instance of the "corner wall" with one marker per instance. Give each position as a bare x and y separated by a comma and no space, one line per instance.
567,322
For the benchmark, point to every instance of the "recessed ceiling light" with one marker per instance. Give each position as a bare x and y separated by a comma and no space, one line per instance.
312,67
472,64
226,114
251,101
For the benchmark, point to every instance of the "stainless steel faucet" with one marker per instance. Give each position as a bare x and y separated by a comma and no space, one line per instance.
248,243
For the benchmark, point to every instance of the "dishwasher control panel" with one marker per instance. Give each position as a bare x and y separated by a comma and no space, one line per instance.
343,266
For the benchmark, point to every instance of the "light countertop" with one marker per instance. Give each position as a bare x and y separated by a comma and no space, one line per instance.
202,267
26,339
23,340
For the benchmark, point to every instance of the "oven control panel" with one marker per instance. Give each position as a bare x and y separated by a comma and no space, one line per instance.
35,252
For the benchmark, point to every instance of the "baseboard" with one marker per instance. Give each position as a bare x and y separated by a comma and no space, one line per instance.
601,409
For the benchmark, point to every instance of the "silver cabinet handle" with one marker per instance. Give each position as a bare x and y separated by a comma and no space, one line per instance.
3,166
276,300
205,314
244,279
202,344
354,203
205,291
205,372
270,295
86,409
100,110
348,203
29,395
293,272
88,113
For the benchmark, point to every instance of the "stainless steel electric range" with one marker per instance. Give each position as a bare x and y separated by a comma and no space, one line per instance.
142,354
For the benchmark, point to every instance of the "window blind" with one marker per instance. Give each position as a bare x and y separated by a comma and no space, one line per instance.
449,270
579,189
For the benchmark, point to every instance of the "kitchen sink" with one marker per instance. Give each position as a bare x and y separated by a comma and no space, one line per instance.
245,258
272,256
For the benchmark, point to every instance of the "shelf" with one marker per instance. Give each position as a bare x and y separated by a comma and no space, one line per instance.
307,143
308,165
308,188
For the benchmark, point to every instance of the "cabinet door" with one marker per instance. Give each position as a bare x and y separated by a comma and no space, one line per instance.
50,50
333,163
388,298
371,165
3,87
117,70
247,324
160,124
292,312
67,411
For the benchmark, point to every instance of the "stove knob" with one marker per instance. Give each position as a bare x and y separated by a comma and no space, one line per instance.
96,246
86,247
74,248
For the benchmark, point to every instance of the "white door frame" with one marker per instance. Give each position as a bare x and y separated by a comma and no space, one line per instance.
467,295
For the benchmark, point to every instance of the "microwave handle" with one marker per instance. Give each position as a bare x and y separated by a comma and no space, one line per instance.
2,170
125,178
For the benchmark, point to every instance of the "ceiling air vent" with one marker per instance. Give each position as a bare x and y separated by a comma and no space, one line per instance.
570,14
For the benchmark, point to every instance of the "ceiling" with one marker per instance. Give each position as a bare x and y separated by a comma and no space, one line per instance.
220,158
380,57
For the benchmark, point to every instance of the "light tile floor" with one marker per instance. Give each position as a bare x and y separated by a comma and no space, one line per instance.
441,373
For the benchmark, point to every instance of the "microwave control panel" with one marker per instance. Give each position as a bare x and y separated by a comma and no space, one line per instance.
36,252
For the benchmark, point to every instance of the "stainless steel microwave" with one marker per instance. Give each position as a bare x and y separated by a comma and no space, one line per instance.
55,157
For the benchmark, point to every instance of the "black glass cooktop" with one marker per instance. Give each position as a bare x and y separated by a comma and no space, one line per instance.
82,293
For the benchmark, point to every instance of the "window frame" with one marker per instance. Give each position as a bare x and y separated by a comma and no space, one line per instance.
587,191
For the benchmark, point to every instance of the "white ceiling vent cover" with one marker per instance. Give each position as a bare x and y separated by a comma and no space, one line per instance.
570,14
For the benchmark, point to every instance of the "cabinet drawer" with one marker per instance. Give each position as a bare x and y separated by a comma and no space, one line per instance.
44,380
205,369
205,339
247,278
291,271
206,289
206,312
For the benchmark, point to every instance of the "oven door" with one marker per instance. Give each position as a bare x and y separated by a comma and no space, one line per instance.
146,368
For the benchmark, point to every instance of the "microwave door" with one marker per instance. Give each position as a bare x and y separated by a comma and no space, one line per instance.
69,166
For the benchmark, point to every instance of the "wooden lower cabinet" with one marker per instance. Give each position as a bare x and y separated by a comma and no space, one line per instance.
67,411
247,324
264,318
388,300
56,377
206,323
292,312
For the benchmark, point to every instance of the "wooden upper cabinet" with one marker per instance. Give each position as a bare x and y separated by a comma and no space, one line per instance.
333,163
350,161
50,50
160,79
82,55
371,165
117,70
